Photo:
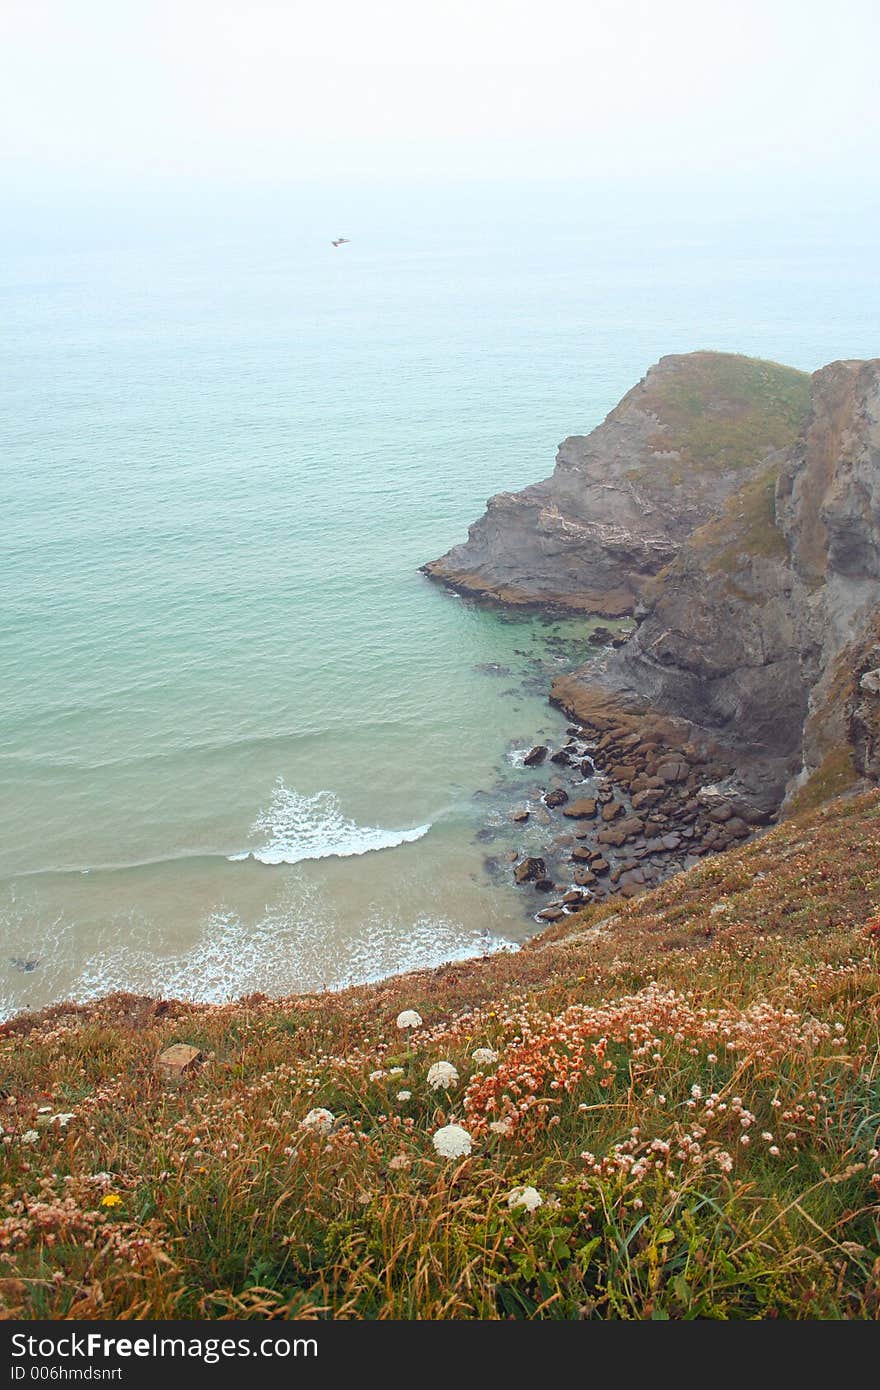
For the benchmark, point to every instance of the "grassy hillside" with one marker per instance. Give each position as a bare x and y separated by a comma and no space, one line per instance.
723,411
690,1083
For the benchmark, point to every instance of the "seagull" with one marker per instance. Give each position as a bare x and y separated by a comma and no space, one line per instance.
340,241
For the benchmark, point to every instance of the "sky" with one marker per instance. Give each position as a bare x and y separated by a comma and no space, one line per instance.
96,92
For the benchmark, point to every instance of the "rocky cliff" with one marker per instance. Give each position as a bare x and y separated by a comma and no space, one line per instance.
621,500
760,627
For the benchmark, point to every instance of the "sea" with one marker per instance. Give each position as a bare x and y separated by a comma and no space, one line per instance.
245,745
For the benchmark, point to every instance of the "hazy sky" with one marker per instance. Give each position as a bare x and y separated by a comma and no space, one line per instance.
96,90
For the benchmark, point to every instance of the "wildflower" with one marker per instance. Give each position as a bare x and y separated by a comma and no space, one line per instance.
111,1200
395,1071
63,1119
744,1140
404,1095
528,1197
377,1075
767,1136
484,1056
399,1161
711,1057
501,1126
30,1136
409,1019
697,1092
773,1150
452,1141
442,1075
319,1120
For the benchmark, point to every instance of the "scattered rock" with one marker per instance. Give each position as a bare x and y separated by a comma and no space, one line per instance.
557,797
520,815
582,809
177,1061
529,870
536,755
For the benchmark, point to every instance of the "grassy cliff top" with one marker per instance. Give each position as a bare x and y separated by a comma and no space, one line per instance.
722,411
689,1083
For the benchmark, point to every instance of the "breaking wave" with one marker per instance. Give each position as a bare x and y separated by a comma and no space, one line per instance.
314,827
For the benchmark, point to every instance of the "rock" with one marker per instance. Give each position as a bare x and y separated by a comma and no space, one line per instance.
621,832
561,757
737,828
612,810
544,885
581,855
177,1061
582,809
530,869
557,797
600,637
536,755
649,797
510,856
519,816
600,866
551,914
574,899
674,770
583,877
671,841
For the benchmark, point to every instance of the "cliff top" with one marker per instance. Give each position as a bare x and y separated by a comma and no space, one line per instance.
721,411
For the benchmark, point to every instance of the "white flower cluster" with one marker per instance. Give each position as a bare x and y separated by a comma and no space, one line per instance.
320,1121
484,1056
441,1076
452,1141
528,1197
409,1019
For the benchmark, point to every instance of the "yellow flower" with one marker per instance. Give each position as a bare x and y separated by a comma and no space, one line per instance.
112,1199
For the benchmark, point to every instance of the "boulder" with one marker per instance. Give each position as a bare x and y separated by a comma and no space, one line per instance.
582,809
557,797
177,1061
536,755
529,870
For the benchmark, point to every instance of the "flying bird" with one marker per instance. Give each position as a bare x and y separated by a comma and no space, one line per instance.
340,241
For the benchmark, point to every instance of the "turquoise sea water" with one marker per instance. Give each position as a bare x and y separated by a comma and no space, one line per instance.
244,744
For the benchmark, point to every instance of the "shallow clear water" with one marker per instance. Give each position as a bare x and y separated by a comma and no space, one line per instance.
245,744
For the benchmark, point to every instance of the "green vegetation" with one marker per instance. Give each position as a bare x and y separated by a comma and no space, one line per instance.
726,411
835,775
690,1081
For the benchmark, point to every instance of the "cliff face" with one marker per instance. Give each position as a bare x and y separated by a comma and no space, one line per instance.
735,506
762,628
622,500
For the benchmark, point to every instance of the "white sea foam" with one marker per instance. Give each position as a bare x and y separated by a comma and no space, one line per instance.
297,946
314,827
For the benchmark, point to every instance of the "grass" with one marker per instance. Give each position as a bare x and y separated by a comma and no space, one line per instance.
638,1047
765,406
